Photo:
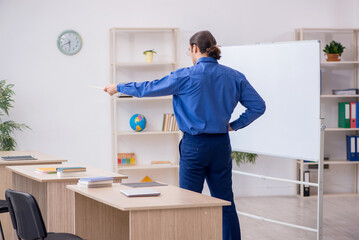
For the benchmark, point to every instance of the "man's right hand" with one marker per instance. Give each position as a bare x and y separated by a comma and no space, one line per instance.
111,89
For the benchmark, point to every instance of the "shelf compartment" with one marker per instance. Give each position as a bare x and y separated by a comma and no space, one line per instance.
135,99
133,133
146,167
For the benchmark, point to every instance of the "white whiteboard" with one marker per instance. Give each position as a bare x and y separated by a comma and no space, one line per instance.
287,76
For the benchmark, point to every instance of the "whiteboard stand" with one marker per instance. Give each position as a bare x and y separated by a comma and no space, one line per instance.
319,185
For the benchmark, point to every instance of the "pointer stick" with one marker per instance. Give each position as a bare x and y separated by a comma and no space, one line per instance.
100,88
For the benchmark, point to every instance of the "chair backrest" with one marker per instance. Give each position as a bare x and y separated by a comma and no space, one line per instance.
25,215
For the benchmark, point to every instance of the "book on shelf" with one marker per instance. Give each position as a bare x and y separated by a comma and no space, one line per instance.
161,163
344,115
350,91
93,182
352,147
353,115
169,123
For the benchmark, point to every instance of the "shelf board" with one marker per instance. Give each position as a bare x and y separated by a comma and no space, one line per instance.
129,99
332,162
133,133
339,96
146,167
143,29
144,64
338,63
341,129
328,29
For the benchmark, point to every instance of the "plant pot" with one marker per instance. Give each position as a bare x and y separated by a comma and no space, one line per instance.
333,57
149,57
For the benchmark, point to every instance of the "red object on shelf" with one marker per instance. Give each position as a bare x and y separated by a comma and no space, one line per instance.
353,115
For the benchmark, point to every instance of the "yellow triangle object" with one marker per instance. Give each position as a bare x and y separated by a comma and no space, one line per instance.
146,179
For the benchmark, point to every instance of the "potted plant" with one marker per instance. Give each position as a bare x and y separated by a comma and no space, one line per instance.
7,128
333,51
243,157
149,55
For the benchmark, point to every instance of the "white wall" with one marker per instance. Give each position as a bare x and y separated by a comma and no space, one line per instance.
72,121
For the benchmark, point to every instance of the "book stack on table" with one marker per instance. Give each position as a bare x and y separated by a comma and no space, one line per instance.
94,182
70,171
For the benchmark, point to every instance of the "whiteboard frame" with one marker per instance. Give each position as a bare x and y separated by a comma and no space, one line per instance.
320,160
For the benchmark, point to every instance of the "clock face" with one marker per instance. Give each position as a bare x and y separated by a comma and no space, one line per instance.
69,42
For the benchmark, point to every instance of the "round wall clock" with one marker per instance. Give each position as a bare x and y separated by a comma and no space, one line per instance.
69,42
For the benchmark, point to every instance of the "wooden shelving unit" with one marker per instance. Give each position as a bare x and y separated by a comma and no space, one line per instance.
127,64
350,65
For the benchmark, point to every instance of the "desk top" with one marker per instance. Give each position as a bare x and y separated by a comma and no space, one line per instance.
42,158
171,197
29,172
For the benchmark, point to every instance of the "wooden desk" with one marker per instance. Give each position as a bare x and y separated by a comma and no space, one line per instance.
55,201
6,179
177,214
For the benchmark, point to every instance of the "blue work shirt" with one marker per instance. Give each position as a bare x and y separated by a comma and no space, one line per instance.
204,96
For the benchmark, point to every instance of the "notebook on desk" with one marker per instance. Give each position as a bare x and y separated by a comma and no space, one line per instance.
140,192
18,158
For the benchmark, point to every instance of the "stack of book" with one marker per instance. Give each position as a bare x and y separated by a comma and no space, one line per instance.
70,171
350,91
46,170
169,123
95,182
352,147
348,115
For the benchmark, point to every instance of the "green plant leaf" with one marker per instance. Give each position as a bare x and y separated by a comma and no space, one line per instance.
7,142
242,157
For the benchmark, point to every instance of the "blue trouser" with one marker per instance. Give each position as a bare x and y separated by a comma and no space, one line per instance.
208,156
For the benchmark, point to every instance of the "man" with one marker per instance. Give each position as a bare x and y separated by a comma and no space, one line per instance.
204,97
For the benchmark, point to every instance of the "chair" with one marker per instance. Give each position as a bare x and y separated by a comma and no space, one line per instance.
3,209
27,220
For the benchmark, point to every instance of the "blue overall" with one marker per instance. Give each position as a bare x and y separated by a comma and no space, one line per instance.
204,97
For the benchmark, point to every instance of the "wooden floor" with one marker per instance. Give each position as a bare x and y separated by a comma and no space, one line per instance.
341,217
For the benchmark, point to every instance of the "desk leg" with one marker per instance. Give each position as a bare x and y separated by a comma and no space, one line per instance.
177,224
60,207
94,220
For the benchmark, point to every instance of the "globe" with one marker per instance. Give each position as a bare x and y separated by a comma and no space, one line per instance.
138,122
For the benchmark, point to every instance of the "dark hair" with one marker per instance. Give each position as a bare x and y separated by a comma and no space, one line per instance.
206,44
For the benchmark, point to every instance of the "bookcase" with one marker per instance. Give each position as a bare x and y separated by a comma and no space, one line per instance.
127,64
334,75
